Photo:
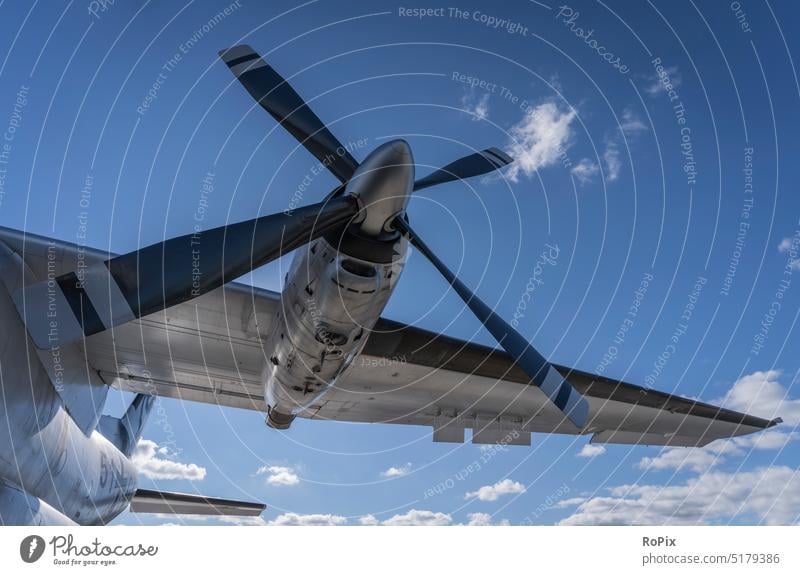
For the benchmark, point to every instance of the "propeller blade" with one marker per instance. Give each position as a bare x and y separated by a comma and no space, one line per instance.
167,273
543,375
475,164
278,98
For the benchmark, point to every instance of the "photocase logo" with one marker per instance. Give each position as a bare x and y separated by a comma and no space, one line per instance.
31,548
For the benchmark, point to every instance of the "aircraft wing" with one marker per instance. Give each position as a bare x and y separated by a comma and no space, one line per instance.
209,350
204,350
412,376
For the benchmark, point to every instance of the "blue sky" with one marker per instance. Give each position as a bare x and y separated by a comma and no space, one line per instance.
690,187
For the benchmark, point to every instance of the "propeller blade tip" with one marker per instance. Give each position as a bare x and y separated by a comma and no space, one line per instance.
236,52
501,155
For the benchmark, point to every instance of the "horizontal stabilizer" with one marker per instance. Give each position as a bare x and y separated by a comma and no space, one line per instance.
151,501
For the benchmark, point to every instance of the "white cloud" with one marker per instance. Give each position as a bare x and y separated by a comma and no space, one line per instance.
539,139
180,518
769,495
279,475
477,107
698,459
290,518
368,520
571,502
397,471
483,519
701,459
585,170
555,82
789,245
233,520
311,519
479,519
611,156
591,450
760,393
417,517
494,492
670,75
771,439
147,461
630,123
420,517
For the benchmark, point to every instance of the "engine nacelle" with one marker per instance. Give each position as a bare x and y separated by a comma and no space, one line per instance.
329,304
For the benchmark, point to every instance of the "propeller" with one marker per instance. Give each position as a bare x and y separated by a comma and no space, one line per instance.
159,276
541,372
475,164
168,273
278,98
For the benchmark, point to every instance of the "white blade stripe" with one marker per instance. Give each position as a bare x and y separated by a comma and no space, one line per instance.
106,297
246,66
47,314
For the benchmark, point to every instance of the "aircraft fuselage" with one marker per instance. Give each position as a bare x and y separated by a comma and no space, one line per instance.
51,473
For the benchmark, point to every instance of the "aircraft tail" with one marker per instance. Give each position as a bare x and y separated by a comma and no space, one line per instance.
125,432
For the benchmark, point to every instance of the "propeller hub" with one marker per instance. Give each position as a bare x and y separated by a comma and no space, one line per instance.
382,184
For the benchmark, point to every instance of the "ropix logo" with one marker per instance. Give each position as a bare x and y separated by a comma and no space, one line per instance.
31,548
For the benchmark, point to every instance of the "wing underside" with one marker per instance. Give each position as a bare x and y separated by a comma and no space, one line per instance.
205,350
408,375
209,350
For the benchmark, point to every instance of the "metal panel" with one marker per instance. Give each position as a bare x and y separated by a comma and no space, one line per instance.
634,438
447,430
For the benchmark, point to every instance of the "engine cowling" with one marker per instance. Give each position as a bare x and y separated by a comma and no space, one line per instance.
329,304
